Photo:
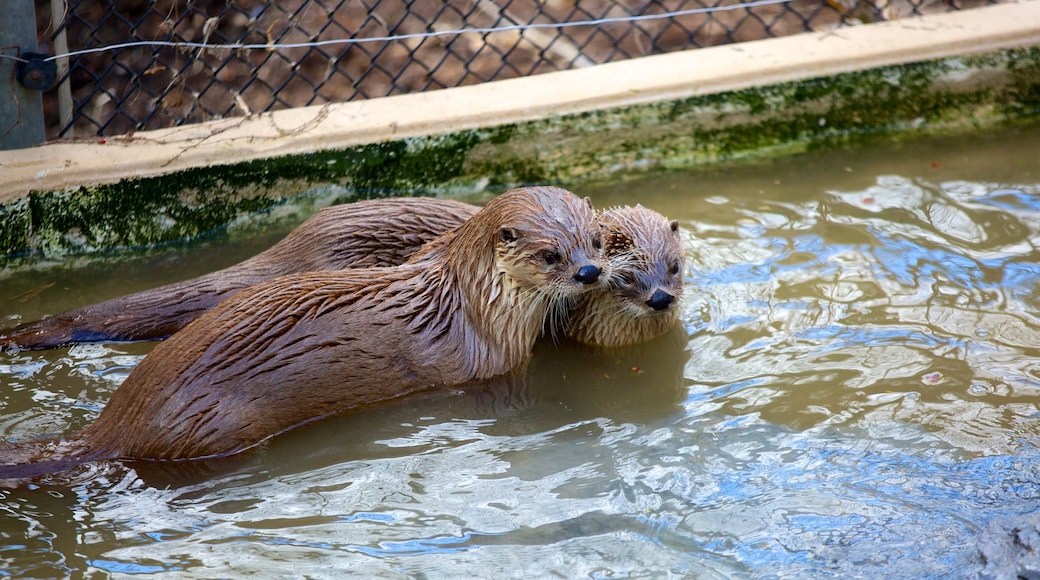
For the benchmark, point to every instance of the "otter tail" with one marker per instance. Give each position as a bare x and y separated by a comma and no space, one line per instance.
148,315
123,318
33,458
120,319
47,333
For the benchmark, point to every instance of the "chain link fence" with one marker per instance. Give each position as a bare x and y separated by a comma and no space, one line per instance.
275,55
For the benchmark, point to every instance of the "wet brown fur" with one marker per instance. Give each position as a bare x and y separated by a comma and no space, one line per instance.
641,244
646,257
382,232
304,346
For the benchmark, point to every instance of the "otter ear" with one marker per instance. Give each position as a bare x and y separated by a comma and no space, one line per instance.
674,225
508,235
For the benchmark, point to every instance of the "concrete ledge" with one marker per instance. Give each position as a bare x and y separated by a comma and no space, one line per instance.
957,70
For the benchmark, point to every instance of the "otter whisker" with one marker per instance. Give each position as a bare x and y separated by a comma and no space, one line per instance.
557,320
646,256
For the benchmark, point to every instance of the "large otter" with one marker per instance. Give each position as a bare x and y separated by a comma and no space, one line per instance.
642,303
305,346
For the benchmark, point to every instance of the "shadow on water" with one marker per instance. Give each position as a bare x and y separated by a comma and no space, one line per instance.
852,392
568,394
566,387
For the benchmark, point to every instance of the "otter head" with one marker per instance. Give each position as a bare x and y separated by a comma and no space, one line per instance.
647,258
548,240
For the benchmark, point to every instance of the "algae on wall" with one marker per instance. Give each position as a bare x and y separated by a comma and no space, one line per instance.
948,95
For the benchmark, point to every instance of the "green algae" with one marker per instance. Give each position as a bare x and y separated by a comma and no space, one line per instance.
895,102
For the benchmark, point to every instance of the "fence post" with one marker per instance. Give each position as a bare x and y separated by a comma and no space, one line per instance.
21,109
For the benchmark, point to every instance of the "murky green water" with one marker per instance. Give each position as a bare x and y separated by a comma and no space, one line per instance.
853,393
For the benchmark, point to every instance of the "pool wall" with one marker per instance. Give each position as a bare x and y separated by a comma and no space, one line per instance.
953,72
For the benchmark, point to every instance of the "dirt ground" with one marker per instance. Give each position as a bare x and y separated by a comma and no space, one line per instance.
125,90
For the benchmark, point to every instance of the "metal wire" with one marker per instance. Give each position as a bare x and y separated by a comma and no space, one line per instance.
147,64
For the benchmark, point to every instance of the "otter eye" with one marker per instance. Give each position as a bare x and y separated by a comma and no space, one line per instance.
551,257
674,269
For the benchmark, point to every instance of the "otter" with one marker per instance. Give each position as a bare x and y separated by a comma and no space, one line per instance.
641,300
642,303
383,232
304,346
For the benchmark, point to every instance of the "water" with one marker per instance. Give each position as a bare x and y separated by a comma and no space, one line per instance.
852,392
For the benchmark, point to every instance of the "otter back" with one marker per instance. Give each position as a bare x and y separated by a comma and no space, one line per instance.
383,232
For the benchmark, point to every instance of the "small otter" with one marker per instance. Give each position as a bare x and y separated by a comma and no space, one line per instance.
641,301
383,232
305,346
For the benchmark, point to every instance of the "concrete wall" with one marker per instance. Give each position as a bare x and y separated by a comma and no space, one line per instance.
952,72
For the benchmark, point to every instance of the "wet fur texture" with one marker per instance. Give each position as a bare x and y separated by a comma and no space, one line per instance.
383,232
642,299
641,245
304,346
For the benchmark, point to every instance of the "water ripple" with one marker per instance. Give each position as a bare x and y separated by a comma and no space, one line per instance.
854,395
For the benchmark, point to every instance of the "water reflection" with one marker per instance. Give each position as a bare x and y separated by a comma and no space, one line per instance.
852,392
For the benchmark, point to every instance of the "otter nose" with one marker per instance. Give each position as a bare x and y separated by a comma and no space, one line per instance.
660,300
587,274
